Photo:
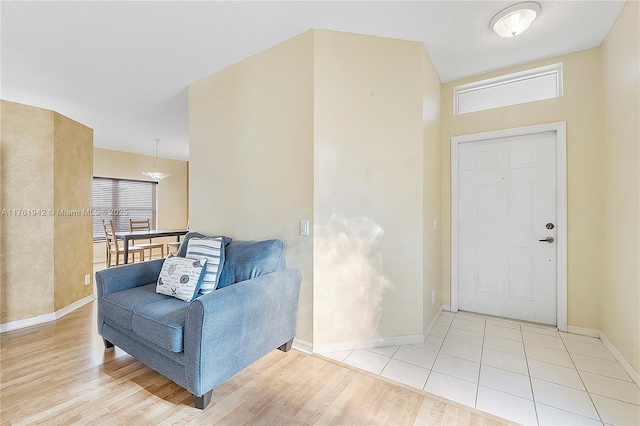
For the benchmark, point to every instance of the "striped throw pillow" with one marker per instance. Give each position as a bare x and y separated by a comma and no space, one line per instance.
212,250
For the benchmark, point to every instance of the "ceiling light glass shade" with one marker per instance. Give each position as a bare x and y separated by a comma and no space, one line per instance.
515,19
156,174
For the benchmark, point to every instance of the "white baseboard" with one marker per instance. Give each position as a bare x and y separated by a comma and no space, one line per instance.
432,323
75,305
369,343
411,339
621,359
302,346
446,308
592,332
27,322
41,319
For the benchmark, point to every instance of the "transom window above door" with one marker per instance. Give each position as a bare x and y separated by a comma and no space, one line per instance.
517,88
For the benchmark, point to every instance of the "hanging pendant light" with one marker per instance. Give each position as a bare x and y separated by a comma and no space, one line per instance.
156,174
515,19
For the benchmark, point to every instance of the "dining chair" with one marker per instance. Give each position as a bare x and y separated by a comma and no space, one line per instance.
144,225
113,247
173,247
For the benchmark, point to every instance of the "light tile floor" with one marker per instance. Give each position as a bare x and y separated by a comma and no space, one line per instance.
521,372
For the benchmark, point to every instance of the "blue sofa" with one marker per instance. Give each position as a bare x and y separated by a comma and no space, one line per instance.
202,343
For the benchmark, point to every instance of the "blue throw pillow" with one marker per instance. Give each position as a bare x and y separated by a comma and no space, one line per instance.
181,277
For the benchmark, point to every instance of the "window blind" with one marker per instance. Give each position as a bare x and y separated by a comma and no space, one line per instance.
121,200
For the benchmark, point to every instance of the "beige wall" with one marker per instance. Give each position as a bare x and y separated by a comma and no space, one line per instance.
432,191
368,250
368,180
251,151
172,191
620,312
44,257
328,127
580,107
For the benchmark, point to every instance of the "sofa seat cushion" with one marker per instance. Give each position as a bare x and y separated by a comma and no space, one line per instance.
120,306
162,323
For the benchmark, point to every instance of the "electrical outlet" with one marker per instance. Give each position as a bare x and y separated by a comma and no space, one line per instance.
87,279
433,297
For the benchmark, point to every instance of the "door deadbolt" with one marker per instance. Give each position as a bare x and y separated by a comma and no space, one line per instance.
549,225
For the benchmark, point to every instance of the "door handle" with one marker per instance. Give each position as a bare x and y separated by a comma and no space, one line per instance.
548,240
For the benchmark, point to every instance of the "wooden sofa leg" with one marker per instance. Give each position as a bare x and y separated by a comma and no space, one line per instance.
287,346
201,402
107,344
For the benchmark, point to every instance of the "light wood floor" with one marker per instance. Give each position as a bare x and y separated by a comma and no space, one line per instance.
60,373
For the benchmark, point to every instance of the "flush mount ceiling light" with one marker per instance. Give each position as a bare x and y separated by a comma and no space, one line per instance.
515,19
156,174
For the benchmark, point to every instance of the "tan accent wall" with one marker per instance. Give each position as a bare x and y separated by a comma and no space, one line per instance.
581,108
173,197
43,253
620,311
73,171
251,155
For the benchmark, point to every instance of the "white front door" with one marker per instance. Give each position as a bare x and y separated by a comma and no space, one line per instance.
507,227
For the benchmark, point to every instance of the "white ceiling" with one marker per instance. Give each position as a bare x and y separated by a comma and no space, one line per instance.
123,68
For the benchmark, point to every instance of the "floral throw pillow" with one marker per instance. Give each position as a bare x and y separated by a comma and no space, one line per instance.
181,277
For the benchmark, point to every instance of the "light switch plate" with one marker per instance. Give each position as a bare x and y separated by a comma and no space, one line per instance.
304,227
87,279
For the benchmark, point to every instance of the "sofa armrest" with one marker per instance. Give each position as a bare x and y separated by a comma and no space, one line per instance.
127,276
228,329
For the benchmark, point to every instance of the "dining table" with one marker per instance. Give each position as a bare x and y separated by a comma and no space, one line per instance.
143,235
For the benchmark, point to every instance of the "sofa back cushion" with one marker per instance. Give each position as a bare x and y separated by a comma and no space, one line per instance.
249,259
